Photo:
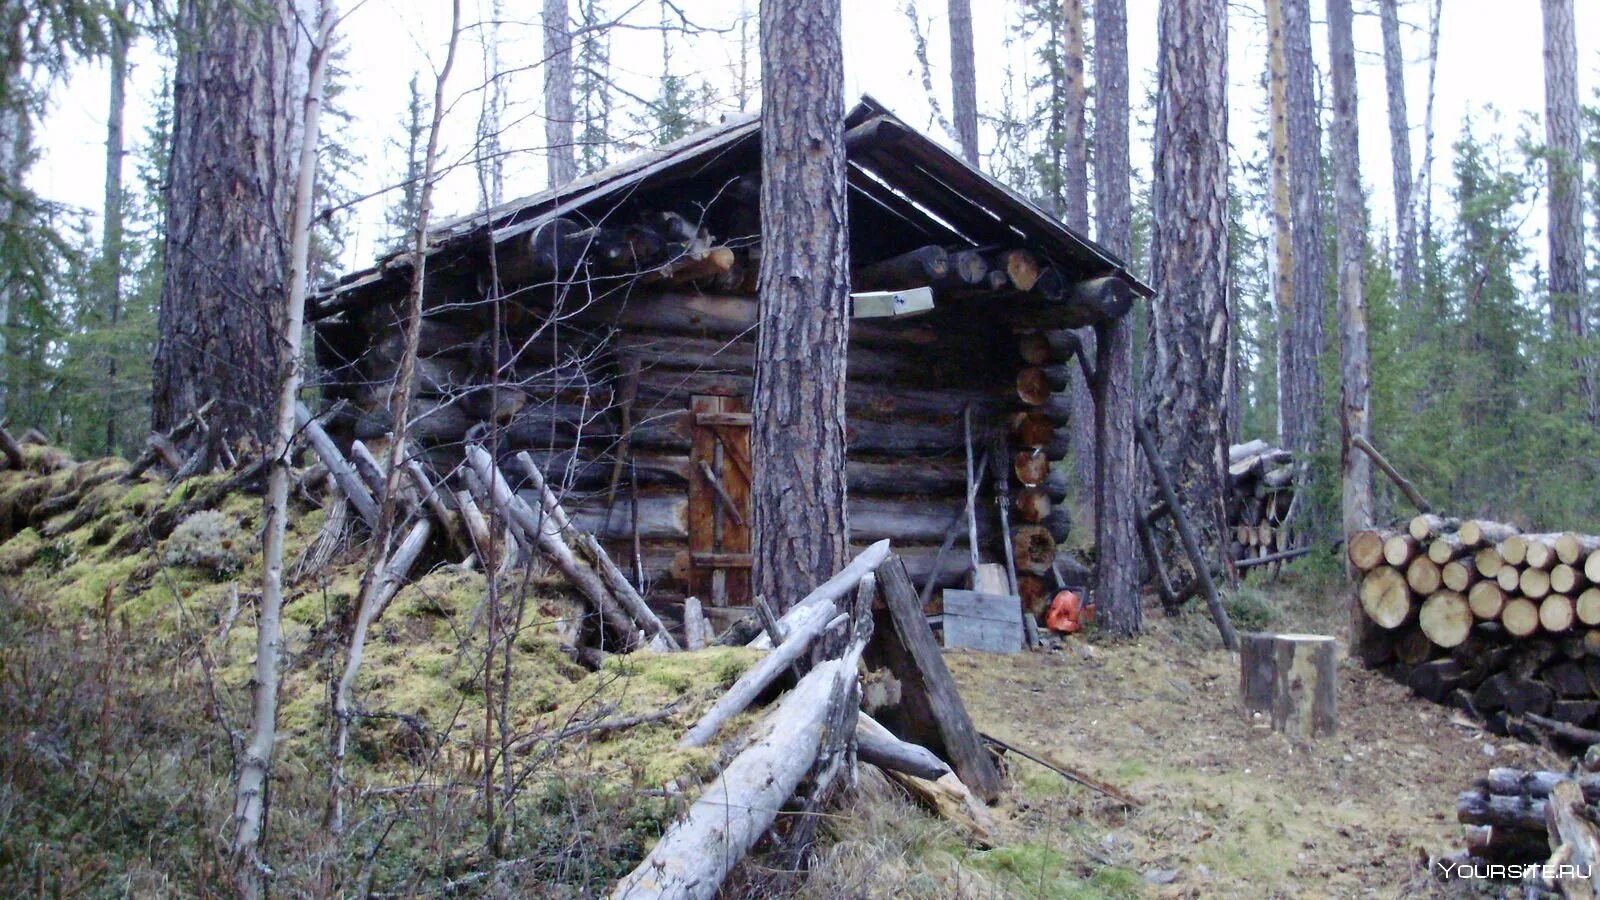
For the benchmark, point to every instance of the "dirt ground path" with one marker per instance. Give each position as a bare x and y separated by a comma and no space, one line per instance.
1231,808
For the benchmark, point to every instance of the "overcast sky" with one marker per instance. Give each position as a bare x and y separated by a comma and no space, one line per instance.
1490,53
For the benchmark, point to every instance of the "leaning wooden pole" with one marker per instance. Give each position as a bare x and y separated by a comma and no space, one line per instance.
1400,481
1191,545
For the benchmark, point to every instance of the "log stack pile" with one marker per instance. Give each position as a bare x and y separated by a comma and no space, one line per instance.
1517,817
1261,499
1494,621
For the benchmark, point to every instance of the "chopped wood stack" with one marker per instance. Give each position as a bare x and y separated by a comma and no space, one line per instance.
1036,439
1521,817
1491,620
1261,499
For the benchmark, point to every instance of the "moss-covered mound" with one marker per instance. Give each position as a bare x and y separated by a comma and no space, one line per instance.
127,648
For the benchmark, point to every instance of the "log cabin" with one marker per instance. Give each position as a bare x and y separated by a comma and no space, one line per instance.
606,328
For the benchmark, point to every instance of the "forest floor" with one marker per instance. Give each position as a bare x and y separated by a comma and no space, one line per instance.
125,670
1230,808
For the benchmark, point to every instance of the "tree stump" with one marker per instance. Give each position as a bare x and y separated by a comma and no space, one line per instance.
1291,677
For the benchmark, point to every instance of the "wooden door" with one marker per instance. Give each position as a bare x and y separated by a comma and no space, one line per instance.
719,501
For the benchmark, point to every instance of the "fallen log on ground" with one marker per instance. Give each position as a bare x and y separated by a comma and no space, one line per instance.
696,854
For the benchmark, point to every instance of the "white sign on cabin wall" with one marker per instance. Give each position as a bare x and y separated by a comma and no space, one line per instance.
891,304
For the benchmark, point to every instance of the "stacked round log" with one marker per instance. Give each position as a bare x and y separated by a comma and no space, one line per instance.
1260,501
1486,618
1036,438
1507,813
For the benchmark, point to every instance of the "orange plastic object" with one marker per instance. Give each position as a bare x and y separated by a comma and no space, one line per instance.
1066,613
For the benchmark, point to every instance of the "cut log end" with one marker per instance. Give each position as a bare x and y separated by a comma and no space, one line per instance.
1385,597
1520,617
1446,618
1365,550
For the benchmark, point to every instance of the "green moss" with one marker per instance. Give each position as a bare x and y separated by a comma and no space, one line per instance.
673,674
192,488
142,497
81,588
20,552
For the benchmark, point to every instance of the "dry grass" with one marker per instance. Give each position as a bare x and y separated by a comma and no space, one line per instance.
1231,809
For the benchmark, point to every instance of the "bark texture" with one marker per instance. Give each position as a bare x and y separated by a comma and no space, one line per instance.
1116,466
111,217
255,763
1075,191
800,523
1405,220
227,218
964,80
1281,217
1189,334
1304,393
1355,364
558,106
1563,138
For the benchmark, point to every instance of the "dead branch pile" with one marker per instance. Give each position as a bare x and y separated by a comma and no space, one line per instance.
1476,614
1260,501
1518,817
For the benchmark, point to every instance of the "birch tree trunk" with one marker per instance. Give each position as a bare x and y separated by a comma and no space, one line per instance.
964,80
1115,400
1354,358
798,438
491,161
558,107
1425,220
255,767
1309,267
1405,211
1189,334
227,235
111,215
1564,167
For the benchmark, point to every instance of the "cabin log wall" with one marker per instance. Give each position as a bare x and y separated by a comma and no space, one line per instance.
598,392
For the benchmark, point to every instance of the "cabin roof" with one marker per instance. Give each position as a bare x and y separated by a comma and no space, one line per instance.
929,191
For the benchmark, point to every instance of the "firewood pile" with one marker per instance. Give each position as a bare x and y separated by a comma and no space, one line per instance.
1522,818
1260,501
1477,614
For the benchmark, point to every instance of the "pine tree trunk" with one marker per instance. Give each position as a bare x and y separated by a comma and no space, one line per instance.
964,80
798,437
14,153
1189,335
1075,188
1309,267
111,217
1355,362
558,108
1115,401
1282,230
1563,136
227,219
1394,62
